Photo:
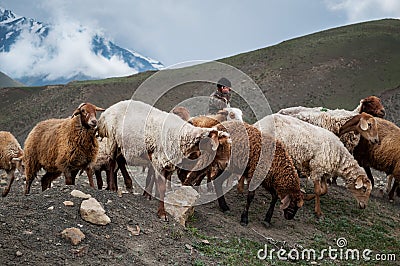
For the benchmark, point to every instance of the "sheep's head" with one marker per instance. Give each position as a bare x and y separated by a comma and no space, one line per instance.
361,190
365,124
234,114
290,204
212,153
87,113
372,105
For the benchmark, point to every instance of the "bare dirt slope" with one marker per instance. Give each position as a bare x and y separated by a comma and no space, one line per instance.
30,228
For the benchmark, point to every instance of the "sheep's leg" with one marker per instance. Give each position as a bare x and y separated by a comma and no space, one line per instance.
244,219
99,179
369,174
47,178
161,187
268,215
149,182
28,183
127,178
394,187
10,177
89,173
70,177
317,191
182,174
112,185
210,187
240,185
218,189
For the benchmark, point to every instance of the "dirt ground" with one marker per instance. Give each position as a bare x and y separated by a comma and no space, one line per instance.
30,228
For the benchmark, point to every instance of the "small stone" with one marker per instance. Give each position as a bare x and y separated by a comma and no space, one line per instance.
80,194
18,253
74,235
68,203
50,208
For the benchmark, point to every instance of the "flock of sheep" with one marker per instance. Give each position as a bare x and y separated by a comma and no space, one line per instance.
275,152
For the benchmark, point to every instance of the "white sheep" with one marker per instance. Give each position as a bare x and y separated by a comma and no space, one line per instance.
10,157
142,131
338,122
319,155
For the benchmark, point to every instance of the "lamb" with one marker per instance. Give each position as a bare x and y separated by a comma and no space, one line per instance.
10,157
61,146
384,157
144,132
251,155
319,154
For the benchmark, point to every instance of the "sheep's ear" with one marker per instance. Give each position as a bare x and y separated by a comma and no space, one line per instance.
213,135
363,124
224,137
285,202
77,111
99,109
359,182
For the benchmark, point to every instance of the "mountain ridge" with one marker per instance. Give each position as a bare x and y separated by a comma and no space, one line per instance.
14,28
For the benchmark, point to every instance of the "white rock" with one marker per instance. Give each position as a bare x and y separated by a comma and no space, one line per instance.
80,194
179,203
92,212
68,203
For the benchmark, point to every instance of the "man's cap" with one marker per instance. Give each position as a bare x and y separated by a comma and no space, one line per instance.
224,82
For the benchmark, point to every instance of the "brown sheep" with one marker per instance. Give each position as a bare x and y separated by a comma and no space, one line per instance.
62,146
10,157
371,105
384,157
209,120
281,179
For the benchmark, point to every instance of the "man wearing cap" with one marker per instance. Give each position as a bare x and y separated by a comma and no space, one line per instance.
220,98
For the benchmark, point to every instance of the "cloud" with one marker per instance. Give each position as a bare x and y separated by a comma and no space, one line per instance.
366,10
65,52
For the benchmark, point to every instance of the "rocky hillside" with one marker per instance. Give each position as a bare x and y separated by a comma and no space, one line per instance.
334,68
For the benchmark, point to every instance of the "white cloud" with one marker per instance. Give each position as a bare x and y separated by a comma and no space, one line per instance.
357,10
64,53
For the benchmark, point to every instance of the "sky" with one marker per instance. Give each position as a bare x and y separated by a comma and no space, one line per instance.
176,31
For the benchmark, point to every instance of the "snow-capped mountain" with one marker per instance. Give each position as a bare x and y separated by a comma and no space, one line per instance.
37,53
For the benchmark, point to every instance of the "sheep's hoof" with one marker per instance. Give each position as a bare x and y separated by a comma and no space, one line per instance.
266,224
320,217
163,217
226,211
147,195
